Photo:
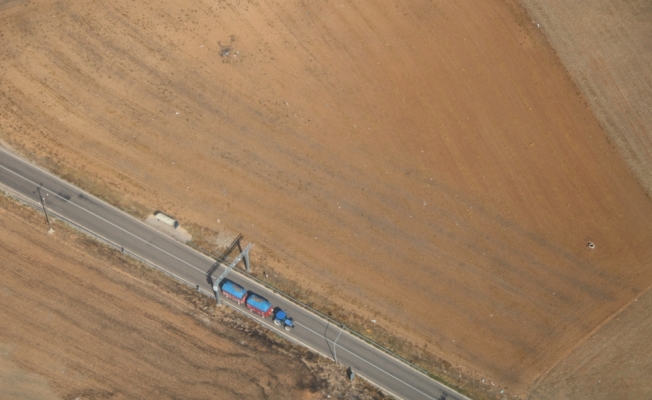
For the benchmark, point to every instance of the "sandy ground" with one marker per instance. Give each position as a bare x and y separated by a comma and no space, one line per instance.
80,322
429,163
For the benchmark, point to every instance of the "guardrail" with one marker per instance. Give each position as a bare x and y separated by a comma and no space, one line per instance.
110,243
88,232
135,256
326,317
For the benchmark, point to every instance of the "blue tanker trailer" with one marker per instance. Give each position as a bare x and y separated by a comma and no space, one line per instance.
234,291
259,305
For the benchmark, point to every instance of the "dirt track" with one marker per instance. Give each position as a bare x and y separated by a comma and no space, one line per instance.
79,321
429,164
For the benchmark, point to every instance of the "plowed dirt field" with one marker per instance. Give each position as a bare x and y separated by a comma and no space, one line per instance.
78,321
613,363
429,164
607,48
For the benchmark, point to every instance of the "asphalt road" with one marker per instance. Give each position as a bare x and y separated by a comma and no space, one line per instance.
392,375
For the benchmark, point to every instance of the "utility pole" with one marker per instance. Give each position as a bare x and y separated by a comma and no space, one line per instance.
335,344
38,188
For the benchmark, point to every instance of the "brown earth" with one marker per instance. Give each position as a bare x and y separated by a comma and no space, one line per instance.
81,322
613,363
428,163
607,48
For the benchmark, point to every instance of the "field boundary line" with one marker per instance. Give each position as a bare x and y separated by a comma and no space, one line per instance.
590,334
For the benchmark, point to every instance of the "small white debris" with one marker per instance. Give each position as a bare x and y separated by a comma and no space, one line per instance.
177,113
373,321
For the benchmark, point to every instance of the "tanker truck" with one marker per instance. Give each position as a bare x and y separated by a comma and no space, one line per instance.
234,291
259,305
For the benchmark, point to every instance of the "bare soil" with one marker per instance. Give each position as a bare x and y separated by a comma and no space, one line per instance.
607,48
615,362
430,165
79,321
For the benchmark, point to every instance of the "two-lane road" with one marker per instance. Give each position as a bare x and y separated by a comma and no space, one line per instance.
312,331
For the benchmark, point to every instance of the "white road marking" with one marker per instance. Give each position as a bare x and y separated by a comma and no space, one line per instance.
197,269
373,365
102,219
